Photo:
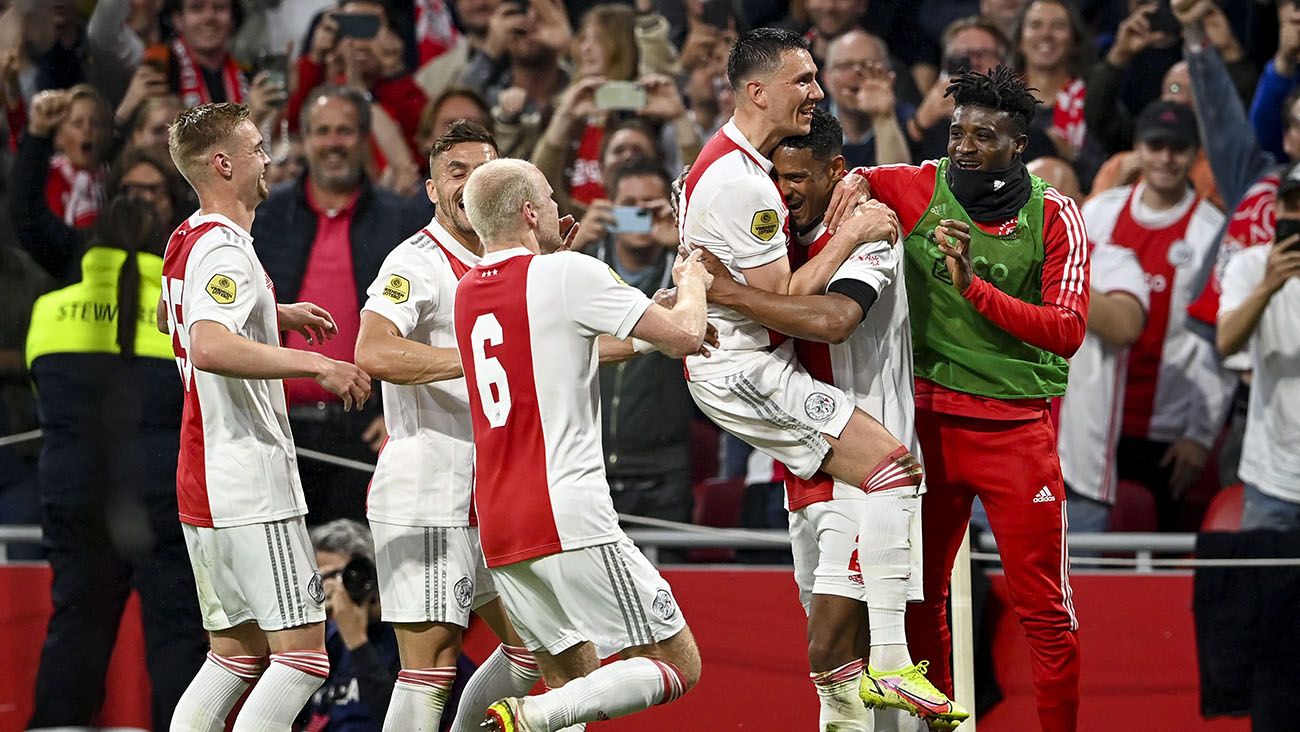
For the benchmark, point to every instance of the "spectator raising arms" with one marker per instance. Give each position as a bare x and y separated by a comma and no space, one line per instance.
58,177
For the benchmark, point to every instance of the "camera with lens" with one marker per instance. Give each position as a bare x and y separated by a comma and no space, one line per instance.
360,580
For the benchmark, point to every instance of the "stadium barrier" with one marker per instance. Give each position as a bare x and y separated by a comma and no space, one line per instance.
1147,607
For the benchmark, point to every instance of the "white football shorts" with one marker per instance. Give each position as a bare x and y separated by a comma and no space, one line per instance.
608,594
824,540
778,408
430,574
265,572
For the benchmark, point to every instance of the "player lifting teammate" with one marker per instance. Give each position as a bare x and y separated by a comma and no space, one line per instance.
237,482
854,335
753,386
576,587
430,565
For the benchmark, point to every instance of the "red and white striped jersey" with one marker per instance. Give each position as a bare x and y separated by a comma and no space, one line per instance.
526,327
731,206
1176,387
873,367
425,473
237,462
1252,224
1094,398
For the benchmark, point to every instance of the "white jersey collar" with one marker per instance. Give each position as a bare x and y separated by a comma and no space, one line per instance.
1153,219
448,241
197,219
732,131
502,255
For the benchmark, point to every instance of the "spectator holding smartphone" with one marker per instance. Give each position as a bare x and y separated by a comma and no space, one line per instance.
606,90
196,65
357,46
645,408
1258,310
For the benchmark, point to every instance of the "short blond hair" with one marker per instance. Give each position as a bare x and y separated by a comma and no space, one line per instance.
495,195
196,131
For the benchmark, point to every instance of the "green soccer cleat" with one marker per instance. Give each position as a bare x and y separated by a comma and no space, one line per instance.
908,689
506,715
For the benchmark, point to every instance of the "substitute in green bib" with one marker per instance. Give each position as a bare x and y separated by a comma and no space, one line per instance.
998,294
109,397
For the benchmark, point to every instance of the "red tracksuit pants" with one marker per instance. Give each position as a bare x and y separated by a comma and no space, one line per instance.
1007,464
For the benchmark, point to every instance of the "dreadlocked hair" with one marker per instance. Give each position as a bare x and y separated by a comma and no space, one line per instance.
1000,89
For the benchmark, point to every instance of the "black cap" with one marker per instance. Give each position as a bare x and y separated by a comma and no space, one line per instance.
1290,181
1168,122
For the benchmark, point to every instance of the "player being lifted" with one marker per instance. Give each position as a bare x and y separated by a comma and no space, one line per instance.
854,335
576,587
237,482
753,387
430,566
998,285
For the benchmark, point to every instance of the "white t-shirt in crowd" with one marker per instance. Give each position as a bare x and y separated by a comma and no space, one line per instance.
1270,452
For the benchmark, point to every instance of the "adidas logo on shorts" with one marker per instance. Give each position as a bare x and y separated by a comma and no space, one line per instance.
1044,496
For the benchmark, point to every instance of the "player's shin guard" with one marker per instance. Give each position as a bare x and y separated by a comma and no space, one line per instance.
611,691
282,692
509,671
837,693
208,699
418,698
884,555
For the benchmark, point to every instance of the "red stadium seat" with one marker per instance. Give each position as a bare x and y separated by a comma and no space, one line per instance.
704,450
1224,513
717,503
1134,509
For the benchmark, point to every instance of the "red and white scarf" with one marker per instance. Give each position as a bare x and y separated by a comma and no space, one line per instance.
74,195
435,32
1067,114
193,90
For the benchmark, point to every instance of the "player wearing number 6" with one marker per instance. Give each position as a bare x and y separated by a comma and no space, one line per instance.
237,482
576,587
427,555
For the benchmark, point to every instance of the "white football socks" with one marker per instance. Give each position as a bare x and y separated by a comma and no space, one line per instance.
841,709
283,691
611,691
509,671
216,687
418,698
884,553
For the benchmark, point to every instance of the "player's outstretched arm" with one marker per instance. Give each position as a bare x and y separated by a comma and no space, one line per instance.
829,318
217,350
679,332
383,353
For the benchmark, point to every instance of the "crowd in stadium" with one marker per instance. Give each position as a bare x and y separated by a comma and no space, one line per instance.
1171,127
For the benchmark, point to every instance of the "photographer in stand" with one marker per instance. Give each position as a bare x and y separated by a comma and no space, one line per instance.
362,649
